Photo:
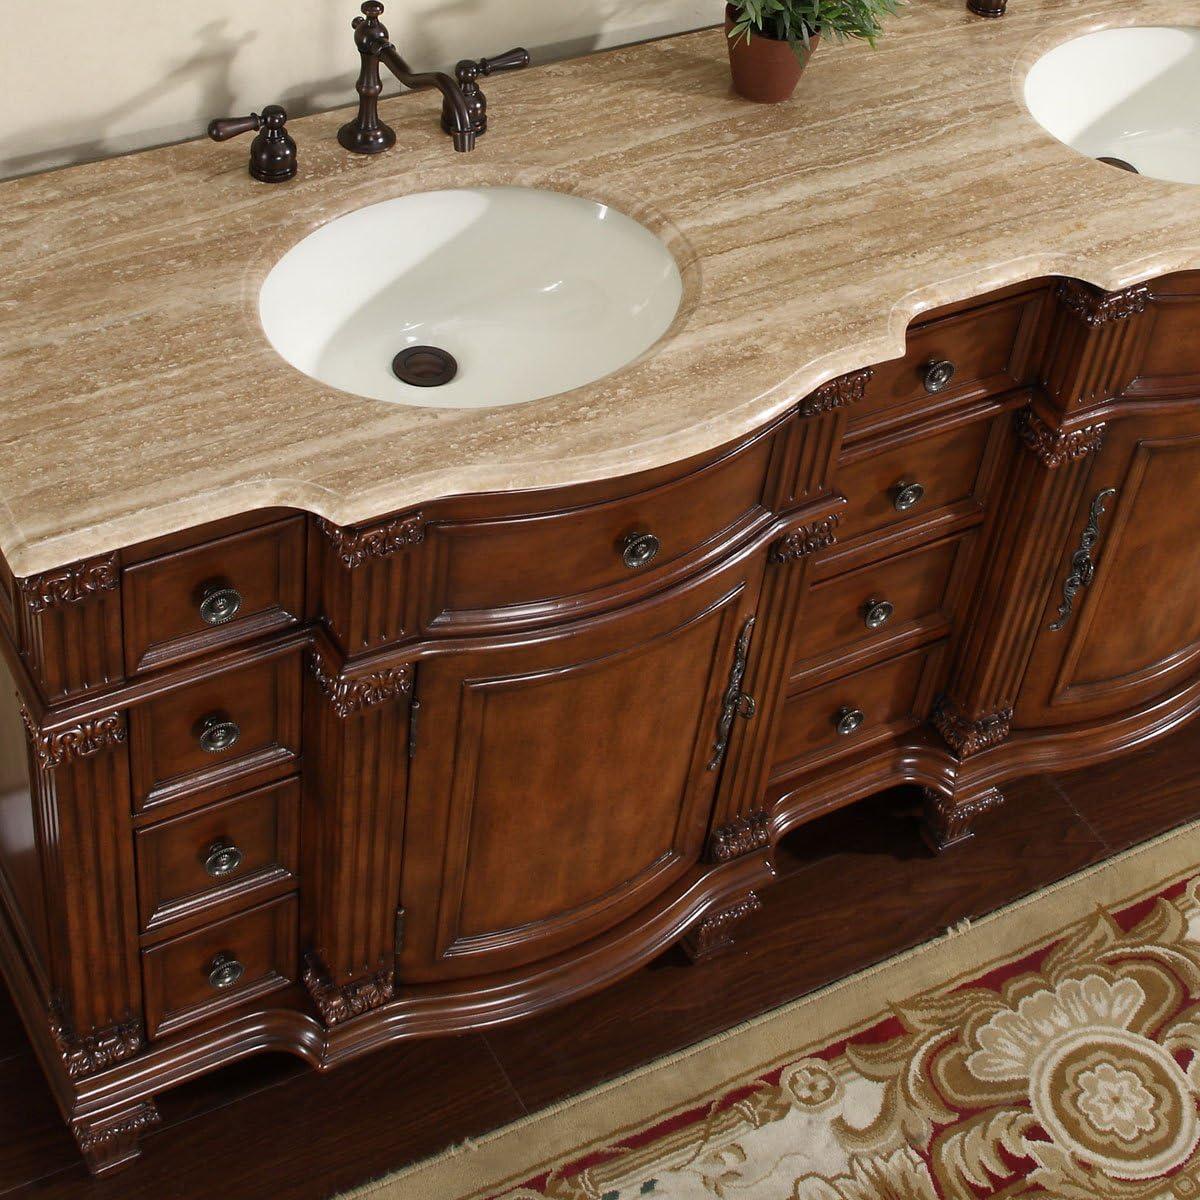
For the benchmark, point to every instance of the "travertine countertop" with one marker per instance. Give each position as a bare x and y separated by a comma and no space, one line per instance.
138,395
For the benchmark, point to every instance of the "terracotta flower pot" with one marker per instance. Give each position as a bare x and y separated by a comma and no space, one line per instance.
765,69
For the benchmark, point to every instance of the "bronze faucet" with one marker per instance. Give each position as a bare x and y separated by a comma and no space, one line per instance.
464,108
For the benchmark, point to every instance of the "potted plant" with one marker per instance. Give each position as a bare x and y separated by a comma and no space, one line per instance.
771,41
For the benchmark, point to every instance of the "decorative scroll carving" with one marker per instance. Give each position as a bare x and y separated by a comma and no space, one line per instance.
736,703
348,695
714,932
126,1127
947,823
54,747
808,539
71,584
98,1050
1057,446
337,1004
1083,566
966,736
355,548
1096,308
837,393
743,835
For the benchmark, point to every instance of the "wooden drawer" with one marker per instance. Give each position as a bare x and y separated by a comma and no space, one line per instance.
873,603
196,600
889,698
988,350
910,480
175,747
223,854
528,568
182,980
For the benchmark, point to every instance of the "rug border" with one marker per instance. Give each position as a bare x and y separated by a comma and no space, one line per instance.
503,1157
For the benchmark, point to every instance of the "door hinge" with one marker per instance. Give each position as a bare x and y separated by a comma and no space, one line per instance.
414,712
400,914
735,702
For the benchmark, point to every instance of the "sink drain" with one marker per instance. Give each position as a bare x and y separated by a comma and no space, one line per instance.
425,366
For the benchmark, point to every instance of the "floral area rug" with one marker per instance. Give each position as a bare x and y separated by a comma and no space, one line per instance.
1052,1049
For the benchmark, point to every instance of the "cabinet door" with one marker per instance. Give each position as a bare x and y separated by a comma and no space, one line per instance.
1133,631
561,782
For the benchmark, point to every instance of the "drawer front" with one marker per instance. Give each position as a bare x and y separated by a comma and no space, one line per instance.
221,966
969,354
226,853
220,733
911,480
856,710
194,601
872,603
529,568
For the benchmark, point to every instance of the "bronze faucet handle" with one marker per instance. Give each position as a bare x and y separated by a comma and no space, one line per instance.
369,26
273,157
467,72
225,128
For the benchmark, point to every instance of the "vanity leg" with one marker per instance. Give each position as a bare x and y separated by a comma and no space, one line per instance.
713,934
113,1140
948,820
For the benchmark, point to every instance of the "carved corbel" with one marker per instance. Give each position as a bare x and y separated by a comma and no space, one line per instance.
713,933
355,547
741,836
1095,308
98,1050
837,393
946,823
349,695
71,584
337,1004
967,736
1054,447
807,540
53,747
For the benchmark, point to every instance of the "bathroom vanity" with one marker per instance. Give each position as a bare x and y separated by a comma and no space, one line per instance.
331,722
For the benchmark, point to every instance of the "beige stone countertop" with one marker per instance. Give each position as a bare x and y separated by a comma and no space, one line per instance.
139,396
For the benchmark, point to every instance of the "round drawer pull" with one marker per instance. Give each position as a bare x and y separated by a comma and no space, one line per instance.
850,720
218,734
907,495
219,605
639,550
877,613
221,859
225,972
936,375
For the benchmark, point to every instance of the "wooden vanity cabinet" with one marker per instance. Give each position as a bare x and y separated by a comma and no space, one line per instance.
280,784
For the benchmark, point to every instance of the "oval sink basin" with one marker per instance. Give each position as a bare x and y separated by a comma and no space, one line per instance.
1130,94
529,293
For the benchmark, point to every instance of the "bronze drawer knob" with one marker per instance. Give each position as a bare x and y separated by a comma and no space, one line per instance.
225,972
937,375
877,613
218,734
639,550
907,496
219,605
850,721
221,859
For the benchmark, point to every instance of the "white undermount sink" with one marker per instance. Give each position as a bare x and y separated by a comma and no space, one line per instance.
1132,94
531,293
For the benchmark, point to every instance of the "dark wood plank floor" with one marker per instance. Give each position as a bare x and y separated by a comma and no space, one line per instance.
855,888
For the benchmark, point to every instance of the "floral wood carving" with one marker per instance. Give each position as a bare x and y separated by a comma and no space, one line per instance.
353,548
99,1050
947,823
54,747
714,933
966,736
348,696
127,1125
337,1004
743,835
70,584
808,539
1096,308
837,393
1057,446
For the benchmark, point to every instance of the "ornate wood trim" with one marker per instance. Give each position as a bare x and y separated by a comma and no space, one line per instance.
1095,308
808,539
337,1004
742,835
54,747
355,547
98,1139
837,393
946,824
352,695
71,584
98,1050
966,736
1054,447
714,932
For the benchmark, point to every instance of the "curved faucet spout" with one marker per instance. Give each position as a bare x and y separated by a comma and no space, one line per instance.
456,103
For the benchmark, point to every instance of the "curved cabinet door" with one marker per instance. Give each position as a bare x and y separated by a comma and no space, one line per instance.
561,782
1127,628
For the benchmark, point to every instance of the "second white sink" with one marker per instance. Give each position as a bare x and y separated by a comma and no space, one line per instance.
531,293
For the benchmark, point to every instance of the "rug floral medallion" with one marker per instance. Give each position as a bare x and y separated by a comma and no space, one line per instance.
1068,1068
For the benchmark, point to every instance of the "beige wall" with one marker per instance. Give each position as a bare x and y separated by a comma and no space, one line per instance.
87,78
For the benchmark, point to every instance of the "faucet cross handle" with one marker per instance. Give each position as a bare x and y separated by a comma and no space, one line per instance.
468,71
